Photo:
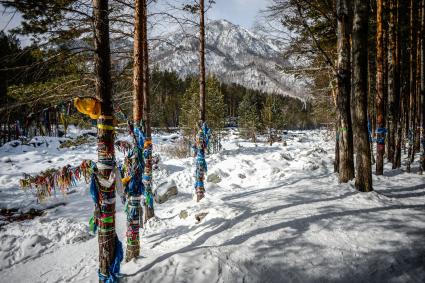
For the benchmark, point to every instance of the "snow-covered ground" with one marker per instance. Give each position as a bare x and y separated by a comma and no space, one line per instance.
274,214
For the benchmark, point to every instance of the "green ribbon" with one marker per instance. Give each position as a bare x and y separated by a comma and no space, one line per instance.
108,219
92,225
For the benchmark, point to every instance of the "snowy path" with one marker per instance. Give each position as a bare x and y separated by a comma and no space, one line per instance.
277,215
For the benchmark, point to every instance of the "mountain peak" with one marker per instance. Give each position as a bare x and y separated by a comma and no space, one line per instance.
233,54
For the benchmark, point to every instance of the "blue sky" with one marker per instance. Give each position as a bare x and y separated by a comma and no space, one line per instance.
241,12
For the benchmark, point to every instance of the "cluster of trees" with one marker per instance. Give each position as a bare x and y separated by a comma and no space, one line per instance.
173,98
176,104
59,66
369,56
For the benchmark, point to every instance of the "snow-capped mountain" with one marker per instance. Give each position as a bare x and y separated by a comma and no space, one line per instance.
233,54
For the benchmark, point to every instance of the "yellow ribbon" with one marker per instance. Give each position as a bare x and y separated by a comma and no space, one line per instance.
105,127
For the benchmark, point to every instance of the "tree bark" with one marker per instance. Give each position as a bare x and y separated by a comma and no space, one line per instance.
360,50
147,176
371,102
337,126
398,87
106,207
392,77
200,190
423,84
412,95
380,106
201,61
417,145
138,63
345,131
133,198
404,74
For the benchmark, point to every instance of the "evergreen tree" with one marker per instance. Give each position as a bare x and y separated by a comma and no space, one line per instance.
271,117
109,244
380,94
360,49
343,77
249,121
215,106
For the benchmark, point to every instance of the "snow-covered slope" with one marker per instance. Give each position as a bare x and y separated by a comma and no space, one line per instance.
274,214
233,54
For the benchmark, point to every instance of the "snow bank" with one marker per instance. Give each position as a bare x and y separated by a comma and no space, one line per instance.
273,214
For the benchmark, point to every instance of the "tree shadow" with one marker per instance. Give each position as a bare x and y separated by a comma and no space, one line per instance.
222,224
250,150
280,185
301,223
393,172
300,226
403,192
395,260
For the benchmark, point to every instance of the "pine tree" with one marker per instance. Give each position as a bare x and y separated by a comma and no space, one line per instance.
411,100
393,80
106,208
148,147
345,131
271,117
215,106
360,51
133,199
249,121
380,99
422,37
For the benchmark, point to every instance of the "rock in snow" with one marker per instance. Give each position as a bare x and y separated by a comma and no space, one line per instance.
165,191
213,178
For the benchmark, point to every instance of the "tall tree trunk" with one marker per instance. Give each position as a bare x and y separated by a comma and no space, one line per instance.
371,102
412,95
360,50
398,87
392,77
133,199
345,131
380,105
200,170
423,84
147,176
404,74
106,208
418,114
138,63
417,145
201,61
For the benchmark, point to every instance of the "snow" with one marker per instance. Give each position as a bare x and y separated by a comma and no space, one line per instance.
235,55
277,214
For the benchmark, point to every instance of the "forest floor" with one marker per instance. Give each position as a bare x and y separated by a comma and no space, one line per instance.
274,214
